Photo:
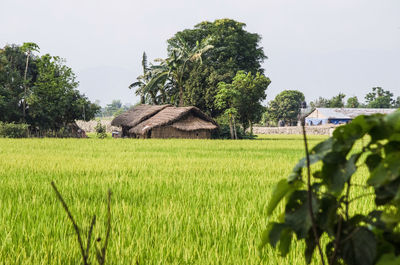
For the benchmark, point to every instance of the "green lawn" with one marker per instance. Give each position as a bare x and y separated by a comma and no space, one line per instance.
174,201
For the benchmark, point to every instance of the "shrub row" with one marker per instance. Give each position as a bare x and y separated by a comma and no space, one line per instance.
13,130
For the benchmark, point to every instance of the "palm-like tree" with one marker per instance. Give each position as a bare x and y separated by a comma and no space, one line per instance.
181,55
168,74
173,68
142,80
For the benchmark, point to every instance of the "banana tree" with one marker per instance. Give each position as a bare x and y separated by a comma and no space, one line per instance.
142,80
171,71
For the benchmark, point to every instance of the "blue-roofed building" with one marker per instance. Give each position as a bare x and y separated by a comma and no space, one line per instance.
321,116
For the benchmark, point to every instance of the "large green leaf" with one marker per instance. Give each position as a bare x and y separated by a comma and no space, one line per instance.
285,241
373,161
272,234
335,175
327,217
297,215
386,193
316,154
281,189
359,247
388,170
391,147
310,247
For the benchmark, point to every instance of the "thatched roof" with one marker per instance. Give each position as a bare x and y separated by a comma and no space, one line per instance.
182,118
137,114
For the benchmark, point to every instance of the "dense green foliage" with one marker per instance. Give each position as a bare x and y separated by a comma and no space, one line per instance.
352,102
101,131
198,59
174,201
242,98
113,109
13,130
334,102
234,49
380,98
322,206
40,91
285,107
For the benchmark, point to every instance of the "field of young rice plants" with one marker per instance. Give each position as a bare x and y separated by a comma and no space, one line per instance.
173,201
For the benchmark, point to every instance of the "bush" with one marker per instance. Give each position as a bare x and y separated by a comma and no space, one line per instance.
13,130
100,130
320,204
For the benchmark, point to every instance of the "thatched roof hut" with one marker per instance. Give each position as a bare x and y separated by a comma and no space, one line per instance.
145,121
137,114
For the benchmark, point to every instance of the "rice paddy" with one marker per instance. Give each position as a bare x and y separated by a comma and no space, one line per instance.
173,202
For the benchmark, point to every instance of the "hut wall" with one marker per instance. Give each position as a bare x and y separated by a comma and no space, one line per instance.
170,132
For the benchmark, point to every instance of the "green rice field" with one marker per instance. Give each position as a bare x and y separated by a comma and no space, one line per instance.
174,201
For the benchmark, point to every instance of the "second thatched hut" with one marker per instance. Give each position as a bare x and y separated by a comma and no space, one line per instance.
165,121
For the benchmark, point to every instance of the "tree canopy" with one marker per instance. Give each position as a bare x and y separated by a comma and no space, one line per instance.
285,107
379,98
198,59
243,97
39,90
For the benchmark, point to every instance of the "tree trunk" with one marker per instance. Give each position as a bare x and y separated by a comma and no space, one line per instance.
180,96
153,98
26,71
234,128
231,127
251,127
142,99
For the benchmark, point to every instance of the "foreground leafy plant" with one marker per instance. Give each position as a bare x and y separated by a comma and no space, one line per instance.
85,252
320,205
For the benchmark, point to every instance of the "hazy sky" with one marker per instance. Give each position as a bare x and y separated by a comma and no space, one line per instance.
320,47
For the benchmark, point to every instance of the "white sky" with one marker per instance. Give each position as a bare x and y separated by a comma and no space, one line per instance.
320,47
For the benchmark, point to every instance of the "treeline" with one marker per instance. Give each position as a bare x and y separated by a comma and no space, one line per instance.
377,98
287,105
113,109
40,91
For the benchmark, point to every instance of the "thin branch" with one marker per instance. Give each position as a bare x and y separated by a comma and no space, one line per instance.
351,234
309,193
347,202
101,254
90,235
337,241
103,250
76,227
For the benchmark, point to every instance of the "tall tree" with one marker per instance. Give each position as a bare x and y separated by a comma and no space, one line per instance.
379,98
28,48
54,101
334,102
397,103
320,103
249,93
234,49
286,106
12,82
337,101
352,102
226,99
175,67
142,80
